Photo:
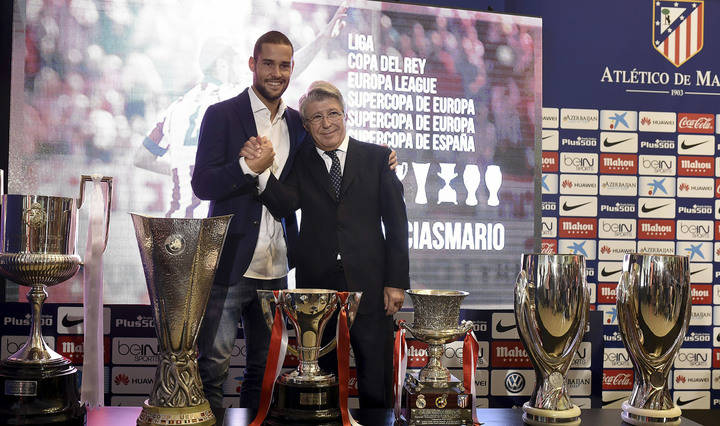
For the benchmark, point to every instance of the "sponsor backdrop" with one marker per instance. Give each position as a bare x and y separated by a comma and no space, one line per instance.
504,378
629,144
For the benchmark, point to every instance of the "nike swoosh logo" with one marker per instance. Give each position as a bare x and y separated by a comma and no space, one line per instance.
684,145
547,137
699,270
500,328
606,403
67,322
568,208
645,209
718,338
680,402
605,273
609,144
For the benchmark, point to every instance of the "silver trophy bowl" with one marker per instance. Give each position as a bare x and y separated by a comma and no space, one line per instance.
654,307
551,310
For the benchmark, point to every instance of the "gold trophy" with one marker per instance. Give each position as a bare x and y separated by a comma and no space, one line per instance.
38,235
180,257
307,395
433,395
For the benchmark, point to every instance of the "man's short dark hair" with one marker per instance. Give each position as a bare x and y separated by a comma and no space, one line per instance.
271,37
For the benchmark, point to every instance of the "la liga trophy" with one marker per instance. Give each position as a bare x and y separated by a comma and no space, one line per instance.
307,395
433,395
654,307
38,235
179,257
551,310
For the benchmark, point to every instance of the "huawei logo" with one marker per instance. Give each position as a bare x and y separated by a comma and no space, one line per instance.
645,121
122,379
567,184
605,250
684,187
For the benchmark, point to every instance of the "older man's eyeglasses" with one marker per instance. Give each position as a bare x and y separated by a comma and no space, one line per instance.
332,116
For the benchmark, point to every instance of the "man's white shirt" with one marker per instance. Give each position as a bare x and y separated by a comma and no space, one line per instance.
270,257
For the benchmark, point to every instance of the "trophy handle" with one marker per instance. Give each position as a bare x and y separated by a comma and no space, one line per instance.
351,306
627,321
109,181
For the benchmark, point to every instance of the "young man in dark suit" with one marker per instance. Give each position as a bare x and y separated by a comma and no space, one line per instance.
255,252
346,193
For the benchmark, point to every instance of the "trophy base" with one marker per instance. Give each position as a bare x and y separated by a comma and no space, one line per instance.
197,415
40,394
427,405
641,416
541,417
305,405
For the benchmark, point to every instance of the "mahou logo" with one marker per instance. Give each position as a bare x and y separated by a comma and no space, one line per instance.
696,166
656,229
509,354
417,354
607,293
701,294
577,227
617,379
696,123
550,162
618,164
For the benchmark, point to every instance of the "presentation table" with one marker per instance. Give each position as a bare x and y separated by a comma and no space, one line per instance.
127,416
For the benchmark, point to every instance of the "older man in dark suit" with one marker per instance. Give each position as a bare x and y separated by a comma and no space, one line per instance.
346,193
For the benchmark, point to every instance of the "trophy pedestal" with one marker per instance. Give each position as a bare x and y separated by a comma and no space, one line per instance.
430,405
305,404
197,415
541,417
40,394
641,416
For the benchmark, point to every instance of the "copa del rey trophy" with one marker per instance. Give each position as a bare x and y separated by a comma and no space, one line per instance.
654,308
551,311
38,235
433,395
179,257
306,395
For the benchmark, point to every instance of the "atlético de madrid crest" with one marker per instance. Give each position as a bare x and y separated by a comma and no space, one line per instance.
678,29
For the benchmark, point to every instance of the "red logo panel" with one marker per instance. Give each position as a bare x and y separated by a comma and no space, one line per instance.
696,166
71,347
549,247
550,162
716,358
617,379
606,293
696,123
509,354
618,164
657,229
701,294
577,227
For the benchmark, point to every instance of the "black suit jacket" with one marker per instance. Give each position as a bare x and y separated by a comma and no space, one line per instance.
218,177
370,193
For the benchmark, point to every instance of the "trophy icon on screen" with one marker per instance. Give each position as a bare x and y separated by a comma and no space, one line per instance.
471,179
421,171
401,170
493,181
446,193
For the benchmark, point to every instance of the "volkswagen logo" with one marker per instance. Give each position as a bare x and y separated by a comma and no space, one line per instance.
514,382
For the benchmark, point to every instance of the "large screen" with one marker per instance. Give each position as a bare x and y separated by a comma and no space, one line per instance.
457,93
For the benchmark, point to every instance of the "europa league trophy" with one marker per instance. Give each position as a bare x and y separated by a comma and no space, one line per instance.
434,396
38,235
179,257
307,395
654,307
551,311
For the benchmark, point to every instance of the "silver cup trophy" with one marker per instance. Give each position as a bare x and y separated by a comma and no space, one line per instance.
179,257
551,310
654,308
38,235
434,395
307,395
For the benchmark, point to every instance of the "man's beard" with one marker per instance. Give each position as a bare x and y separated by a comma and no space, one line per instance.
265,94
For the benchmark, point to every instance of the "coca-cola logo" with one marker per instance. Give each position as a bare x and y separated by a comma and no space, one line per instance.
696,123
617,379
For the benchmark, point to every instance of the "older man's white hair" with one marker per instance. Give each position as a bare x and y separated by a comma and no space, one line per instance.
319,91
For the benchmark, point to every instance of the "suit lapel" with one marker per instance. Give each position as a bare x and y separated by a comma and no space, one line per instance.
245,114
353,161
317,167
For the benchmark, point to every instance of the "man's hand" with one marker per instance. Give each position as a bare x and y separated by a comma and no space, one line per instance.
251,149
392,160
394,298
266,155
